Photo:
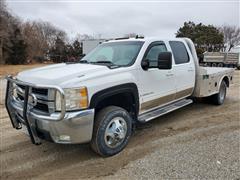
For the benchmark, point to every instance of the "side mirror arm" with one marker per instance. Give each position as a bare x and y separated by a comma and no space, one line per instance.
145,64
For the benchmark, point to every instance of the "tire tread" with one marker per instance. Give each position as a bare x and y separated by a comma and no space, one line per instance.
99,119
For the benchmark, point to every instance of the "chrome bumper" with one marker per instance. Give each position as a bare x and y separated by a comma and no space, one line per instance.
74,128
62,127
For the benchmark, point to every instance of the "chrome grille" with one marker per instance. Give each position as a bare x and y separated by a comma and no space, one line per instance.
39,91
45,99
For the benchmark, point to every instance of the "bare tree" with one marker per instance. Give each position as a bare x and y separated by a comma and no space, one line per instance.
8,26
37,44
36,38
231,35
3,5
49,32
40,37
82,37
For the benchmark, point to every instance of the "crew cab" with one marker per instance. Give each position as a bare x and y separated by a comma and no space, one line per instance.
120,83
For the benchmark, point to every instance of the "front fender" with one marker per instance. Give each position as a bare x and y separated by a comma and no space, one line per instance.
123,88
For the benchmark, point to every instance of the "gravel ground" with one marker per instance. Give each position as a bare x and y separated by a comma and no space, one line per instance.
191,156
200,141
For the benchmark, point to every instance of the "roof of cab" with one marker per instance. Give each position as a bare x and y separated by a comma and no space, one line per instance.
147,39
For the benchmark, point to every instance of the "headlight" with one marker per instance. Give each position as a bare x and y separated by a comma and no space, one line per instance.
75,99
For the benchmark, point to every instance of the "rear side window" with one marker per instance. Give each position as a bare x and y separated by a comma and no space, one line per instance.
179,52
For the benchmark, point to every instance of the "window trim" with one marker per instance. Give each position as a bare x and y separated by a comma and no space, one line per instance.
155,43
173,53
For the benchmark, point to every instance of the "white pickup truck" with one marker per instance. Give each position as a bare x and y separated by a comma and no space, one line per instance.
100,99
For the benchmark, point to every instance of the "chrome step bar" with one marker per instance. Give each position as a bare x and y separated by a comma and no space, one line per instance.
147,116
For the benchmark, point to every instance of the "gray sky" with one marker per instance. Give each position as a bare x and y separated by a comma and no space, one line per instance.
116,18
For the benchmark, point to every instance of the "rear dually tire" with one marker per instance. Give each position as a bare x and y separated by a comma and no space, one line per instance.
219,98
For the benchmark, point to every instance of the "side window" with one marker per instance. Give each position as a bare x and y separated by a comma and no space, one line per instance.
179,52
153,52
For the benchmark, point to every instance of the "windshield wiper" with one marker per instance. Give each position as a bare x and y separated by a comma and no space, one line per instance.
110,64
104,62
96,62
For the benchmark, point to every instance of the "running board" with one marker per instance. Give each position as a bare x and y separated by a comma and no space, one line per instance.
163,110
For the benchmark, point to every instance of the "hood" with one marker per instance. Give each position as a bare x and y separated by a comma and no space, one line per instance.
59,73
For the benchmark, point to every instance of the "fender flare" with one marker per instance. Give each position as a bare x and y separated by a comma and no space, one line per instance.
222,78
119,89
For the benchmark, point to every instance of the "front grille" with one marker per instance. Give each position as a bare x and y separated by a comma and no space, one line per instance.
21,86
42,107
36,90
20,97
40,93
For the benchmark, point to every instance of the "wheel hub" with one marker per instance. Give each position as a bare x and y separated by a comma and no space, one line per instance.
115,132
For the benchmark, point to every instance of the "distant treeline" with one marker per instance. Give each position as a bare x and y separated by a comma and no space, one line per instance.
210,38
24,42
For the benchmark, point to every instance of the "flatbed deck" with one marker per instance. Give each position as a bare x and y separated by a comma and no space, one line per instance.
209,78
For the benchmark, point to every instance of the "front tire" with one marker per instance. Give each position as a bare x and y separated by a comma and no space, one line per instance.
219,98
112,131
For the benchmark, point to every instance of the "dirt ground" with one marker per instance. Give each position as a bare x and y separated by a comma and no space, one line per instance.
198,141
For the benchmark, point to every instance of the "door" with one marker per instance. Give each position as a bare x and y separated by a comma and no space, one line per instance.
184,69
157,86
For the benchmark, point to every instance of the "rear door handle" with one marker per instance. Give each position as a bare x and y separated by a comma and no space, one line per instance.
168,75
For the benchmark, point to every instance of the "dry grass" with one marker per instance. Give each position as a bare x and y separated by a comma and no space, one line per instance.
14,69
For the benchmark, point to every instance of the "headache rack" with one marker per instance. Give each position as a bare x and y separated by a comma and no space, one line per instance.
23,105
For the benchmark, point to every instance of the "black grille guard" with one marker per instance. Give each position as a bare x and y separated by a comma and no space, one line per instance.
31,126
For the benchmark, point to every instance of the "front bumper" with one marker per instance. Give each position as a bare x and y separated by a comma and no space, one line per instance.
76,127
60,127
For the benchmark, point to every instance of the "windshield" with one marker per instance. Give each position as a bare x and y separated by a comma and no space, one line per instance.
114,53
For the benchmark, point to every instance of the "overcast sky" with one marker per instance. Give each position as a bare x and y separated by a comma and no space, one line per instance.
116,18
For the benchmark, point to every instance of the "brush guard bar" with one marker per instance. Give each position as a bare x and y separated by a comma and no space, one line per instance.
28,115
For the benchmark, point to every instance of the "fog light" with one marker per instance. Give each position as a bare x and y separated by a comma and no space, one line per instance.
64,138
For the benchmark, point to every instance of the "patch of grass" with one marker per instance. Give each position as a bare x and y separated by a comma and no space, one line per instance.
14,69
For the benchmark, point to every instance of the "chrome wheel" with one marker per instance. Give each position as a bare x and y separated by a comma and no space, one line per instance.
115,132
